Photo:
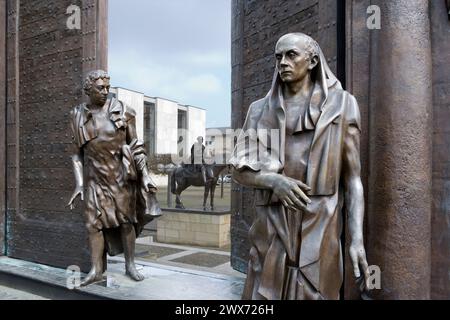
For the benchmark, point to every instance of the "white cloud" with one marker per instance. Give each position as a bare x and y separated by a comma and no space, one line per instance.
205,83
181,53
129,70
207,59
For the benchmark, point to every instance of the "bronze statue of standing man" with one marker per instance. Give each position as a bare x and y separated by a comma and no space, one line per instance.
119,191
300,150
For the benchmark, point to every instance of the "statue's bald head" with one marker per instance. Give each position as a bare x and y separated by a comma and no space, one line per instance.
302,42
297,55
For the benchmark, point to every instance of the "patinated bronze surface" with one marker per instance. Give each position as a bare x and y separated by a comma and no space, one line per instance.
120,195
308,129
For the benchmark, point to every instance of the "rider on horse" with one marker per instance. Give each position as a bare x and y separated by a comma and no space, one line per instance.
198,157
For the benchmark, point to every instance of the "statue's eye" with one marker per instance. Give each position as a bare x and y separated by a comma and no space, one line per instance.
292,54
278,56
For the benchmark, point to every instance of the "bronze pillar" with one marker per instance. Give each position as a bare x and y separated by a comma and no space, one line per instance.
440,222
400,145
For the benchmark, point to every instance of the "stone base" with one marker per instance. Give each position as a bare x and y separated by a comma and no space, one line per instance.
209,229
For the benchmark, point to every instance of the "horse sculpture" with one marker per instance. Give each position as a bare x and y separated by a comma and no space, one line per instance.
186,175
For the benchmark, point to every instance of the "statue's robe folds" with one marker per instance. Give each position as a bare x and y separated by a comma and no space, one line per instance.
296,254
113,159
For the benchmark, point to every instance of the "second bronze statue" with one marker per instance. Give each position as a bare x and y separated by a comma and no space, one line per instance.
299,149
120,195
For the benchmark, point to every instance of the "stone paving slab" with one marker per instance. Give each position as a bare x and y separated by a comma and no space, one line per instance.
161,282
7,293
200,258
203,259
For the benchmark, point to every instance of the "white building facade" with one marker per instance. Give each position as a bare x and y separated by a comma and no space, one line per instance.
221,142
167,127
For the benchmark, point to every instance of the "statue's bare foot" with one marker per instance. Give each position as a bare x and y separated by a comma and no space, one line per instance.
132,272
92,277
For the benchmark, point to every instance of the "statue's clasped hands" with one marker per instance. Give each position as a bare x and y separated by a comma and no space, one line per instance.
291,193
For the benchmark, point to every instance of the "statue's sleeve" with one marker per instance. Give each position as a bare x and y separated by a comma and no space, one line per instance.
136,145
351,151
353,114
72,125
245,154
78,138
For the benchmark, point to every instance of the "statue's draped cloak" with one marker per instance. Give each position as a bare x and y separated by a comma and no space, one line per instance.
295,254
112,159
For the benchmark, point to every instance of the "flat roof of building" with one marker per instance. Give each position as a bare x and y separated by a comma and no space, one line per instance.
128,90
153,99
221,129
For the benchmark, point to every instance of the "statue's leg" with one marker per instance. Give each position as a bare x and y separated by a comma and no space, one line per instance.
213,190
180,189
204,174
128,235
97,246
178,202
205,196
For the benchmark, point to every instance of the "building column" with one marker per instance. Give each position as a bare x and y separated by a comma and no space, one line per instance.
399,204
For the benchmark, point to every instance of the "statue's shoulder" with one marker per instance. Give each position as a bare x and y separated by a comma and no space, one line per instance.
343,94
129,111
338,93
77,111
254,113
257,107
352,112
122,108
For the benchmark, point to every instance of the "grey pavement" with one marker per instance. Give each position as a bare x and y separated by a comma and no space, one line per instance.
172,272
198,258
7,293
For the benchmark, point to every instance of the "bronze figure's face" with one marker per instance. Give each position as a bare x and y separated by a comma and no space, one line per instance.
294,59
99,91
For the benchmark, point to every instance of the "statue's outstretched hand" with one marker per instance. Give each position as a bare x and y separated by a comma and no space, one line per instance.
359,261
78,192
291,193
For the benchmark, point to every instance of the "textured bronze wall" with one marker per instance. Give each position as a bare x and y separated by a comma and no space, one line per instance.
2,124
46,65
399,211
440,226
12,8
256,27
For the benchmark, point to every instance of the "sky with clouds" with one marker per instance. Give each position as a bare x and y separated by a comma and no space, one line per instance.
174,49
